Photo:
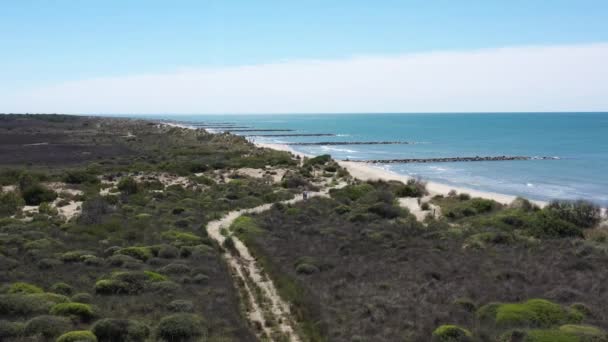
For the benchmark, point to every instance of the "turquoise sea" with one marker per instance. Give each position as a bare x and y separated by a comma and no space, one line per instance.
580,140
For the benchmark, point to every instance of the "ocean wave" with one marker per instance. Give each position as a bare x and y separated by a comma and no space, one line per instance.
336,149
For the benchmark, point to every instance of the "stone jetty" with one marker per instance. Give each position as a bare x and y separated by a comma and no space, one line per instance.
451,159
259,130
292,135
328,143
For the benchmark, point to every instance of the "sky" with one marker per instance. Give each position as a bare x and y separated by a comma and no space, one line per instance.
312,56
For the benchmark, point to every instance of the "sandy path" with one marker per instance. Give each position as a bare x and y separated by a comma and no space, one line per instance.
245,265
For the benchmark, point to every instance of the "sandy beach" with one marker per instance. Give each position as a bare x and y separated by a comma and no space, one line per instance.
370,172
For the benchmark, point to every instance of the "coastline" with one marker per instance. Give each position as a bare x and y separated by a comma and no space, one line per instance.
370,172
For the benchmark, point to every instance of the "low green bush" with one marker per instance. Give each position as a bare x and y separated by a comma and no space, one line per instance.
78,336
23,288
180,305
83,311
47,326
181,327
532,313
128,186
140,253
120,330
175,268
181,238
451,333
10,202
82,297
581,213
550,336
584,331
62,288
37,194
153,276
10,330
113,287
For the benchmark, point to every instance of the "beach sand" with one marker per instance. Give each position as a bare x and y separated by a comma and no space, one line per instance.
364,171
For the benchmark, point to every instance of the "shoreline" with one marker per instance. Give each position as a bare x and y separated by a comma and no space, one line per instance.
366,172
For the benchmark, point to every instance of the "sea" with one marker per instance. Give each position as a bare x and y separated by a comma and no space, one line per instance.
579,141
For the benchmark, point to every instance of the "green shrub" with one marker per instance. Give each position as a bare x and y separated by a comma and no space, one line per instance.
181,327
168,252
77,336
128,186
37,194
15,305
451,333
83,311
585,331
82,298
10,203
318,160
547,224
120,330
532,313
181,238
164,287
140,253
47,326
550,336
305,268
51,298
180,305
73,256
112,287
466,304
10,330
62,288
580,213
79,177
153,276
23,288
175,269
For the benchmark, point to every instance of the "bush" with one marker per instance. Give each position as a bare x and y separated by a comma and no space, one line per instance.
13,305
79,177
547,224
113,287
120,330
451,333
62,288
586,331
413,188
23,288
83,311
304,268
10,330
153,276
47,326
140,253
37,194
82,298
580,213
181,305
532,313
168,252
175,269
181,238
181,327
318,160
77,336
10,203
128,186
550,336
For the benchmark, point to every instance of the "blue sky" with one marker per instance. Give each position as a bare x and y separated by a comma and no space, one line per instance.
49,42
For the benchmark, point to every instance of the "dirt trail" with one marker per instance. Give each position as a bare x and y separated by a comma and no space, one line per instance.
267,309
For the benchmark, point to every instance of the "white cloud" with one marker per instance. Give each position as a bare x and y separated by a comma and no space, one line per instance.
537,78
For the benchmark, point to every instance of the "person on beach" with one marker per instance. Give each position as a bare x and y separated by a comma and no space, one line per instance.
305,195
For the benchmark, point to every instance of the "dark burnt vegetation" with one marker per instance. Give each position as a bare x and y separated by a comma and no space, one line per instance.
357,267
